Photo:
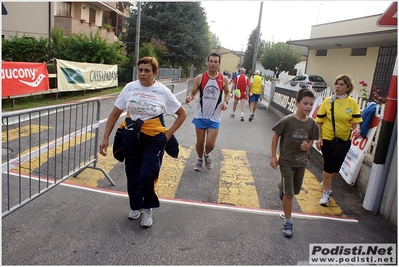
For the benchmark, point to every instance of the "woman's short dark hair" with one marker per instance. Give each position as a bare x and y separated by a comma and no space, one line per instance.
149,60
347,79
302,93
215,54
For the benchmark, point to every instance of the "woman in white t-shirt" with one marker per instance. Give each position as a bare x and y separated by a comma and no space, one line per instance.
144,135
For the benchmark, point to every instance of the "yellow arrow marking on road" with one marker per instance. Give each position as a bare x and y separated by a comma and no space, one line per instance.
308,198
22,132
171,173
237,185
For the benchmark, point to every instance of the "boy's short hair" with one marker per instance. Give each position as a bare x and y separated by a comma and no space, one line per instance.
302,93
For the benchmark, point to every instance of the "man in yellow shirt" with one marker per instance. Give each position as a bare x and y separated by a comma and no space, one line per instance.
257,90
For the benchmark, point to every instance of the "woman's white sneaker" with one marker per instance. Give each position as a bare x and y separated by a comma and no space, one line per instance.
146,221
325,198
134,214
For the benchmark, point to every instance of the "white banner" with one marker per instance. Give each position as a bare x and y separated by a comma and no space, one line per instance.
355,156
74,76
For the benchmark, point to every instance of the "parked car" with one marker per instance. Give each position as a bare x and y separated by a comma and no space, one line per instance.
317,82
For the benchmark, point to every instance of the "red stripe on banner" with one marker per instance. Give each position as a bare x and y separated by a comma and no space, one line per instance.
18,78
391,106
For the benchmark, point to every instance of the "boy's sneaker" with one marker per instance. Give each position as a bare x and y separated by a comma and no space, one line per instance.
146,221
321,184
242,118
232,115
287,230
251,117
198,165
208,162
325,198
134,214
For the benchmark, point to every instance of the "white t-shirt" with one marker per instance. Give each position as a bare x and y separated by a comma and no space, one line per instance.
147,102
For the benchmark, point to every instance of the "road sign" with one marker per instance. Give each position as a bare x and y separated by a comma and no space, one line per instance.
390,17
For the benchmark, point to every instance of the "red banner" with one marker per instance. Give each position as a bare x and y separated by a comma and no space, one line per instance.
18,78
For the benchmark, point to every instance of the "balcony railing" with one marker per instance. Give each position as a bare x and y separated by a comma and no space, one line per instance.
73,25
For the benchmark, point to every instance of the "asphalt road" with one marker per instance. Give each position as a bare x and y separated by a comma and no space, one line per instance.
228,215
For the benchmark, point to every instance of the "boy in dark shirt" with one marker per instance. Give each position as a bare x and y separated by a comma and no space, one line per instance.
296,133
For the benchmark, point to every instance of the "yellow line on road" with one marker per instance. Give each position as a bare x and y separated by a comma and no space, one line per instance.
90,177
22,132
308,198
237,185
171,173
34,163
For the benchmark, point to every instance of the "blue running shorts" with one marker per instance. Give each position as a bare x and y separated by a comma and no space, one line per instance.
205,124
254,98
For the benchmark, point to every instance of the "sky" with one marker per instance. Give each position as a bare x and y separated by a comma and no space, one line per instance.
281,21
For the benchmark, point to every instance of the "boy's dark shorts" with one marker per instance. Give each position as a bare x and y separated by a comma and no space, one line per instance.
291,179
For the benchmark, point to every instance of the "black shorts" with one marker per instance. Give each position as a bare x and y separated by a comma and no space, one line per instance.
331,164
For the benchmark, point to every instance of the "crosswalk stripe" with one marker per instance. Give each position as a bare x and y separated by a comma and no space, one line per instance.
21,132
34,163
90,177
172,172
308,198
237,185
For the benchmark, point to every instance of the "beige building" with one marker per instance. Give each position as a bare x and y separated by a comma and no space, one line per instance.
37,19
357,47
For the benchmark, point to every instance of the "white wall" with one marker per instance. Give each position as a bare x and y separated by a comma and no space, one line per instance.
284,77
28,18
340,61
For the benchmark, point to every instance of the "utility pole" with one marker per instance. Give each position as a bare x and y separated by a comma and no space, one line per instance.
257,38
240,66
137,42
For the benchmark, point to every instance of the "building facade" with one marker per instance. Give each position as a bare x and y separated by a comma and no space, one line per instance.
357,47
37,19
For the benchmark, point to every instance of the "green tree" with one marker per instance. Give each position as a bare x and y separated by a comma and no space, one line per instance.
25,49
90,48
181,26
215,41
250,50
155,48
279,57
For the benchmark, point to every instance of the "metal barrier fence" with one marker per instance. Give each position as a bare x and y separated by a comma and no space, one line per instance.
165,73
190,84
43,147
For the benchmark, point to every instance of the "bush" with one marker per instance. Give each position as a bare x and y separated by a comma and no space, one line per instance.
25,49
76,47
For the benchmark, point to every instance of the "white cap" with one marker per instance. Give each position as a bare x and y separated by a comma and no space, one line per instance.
257,72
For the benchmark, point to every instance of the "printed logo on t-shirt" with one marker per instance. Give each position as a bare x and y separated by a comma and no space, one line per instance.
348,111
302,135
211,92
